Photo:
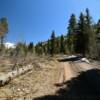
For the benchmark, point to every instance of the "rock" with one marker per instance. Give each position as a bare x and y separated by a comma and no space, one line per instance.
18,89
85,60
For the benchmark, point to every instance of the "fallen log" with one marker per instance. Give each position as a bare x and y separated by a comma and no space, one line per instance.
6,78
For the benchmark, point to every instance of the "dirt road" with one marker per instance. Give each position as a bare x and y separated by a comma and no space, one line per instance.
70,69
77,81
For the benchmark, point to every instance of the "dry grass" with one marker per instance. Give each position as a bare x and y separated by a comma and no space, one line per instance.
37,82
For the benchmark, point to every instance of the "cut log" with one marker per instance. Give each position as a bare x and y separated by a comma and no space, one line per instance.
6,78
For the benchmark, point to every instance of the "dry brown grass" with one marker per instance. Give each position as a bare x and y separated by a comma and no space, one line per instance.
37,82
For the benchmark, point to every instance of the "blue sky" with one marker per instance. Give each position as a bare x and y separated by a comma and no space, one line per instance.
34,20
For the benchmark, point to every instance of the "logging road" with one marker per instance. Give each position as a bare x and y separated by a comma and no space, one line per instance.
81,78
77,80
72,69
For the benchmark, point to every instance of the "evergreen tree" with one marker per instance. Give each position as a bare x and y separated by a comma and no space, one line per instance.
30,47
44,47
91,36
53,43
48,47
62,44
88,18
98,27
72,24
39,48
57,46
21,49
80,42
71,32
88,30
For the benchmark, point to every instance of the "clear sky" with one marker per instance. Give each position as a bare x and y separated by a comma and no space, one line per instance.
34,20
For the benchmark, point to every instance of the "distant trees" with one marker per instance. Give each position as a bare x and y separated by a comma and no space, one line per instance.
53,43
97,27
83,36
31,47
39,48
21,49
62,44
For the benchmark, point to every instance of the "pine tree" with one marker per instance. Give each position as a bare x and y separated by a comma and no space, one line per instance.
48,47
53,43
71,32
62,44
39,48
80,43
98,27
97,30
91,40
30,47
57,46
72,24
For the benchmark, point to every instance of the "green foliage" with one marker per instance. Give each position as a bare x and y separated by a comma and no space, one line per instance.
57,46
71,33
83,36
62,44
39,48
31,47
48,46
72,24
97,27
53,43
21,49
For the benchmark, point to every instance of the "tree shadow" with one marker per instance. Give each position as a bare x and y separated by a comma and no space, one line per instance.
86,86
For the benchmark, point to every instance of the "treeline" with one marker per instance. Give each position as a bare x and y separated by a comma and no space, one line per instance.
55,45
21,50
83,37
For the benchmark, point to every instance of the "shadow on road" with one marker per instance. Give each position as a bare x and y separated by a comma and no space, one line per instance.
86,86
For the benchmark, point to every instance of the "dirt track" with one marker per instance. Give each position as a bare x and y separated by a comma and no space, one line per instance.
77,81
70,69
